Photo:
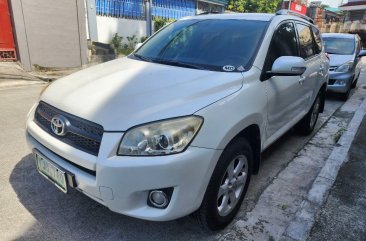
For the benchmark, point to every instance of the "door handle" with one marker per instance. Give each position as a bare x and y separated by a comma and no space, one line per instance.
301,80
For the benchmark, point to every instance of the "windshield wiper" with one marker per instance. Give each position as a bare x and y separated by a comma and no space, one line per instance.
143,58
180,64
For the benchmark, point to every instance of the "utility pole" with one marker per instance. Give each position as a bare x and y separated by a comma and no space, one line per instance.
148,16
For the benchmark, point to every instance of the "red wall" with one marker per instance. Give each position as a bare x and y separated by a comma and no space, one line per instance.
6,33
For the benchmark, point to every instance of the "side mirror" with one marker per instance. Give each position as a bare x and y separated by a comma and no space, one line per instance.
138,45
288,66
362,53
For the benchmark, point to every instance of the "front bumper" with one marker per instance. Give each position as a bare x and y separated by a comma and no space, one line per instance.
333,86
122,183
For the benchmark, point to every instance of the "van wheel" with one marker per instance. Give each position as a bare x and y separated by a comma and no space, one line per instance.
355,82
307,123
227,187
345,96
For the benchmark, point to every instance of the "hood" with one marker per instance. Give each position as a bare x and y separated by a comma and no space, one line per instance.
336,60
123,93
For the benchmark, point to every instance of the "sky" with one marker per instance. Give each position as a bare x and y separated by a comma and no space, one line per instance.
333,3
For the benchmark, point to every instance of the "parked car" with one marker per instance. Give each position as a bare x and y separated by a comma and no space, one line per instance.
345,53
178,126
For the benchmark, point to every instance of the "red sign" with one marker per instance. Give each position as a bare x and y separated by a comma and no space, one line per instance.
298,8
7,48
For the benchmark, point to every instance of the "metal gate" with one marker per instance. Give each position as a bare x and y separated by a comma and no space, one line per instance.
7,47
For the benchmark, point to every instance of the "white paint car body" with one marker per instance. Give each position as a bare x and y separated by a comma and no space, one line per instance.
124,93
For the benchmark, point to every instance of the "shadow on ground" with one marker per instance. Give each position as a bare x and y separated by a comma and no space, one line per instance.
76,217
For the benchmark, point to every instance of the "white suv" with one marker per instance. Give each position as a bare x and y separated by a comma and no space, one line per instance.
178,126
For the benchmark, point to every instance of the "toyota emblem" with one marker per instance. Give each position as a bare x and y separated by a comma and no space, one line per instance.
58,125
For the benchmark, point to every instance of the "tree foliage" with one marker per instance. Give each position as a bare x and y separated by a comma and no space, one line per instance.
253,6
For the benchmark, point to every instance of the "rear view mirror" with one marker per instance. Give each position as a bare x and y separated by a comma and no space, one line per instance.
288,66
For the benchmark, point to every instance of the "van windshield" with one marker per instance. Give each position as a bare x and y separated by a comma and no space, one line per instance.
341,46
210,44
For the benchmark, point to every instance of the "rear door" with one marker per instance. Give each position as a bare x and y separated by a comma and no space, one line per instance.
311,52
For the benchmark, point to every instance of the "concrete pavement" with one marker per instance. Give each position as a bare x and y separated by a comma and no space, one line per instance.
343,216
12,74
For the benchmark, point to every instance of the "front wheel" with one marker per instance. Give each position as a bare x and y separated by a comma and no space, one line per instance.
354,84
307,123
227,187
345,96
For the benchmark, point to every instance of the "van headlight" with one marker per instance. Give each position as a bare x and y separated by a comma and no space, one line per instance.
344,68
160,138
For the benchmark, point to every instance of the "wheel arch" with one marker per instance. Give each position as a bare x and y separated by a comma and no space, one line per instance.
253,136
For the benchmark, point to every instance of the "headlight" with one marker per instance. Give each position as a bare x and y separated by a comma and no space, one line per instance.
340,82
344,67
160,138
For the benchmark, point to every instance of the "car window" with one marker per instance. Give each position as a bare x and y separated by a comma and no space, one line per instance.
306,41
318,40
338,45
212,44
284,43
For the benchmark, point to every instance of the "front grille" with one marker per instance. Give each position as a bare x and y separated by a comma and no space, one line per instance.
332,68
81,134
331,81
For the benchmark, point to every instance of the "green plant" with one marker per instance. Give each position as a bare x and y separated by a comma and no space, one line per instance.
116,42
121,47
143,39
339,133
161,22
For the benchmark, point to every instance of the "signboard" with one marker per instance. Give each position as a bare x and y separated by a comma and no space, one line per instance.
7,48
298,8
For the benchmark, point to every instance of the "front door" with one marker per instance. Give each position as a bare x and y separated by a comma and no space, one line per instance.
284,93
7,47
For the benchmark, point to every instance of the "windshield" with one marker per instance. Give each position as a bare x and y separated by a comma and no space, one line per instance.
210,44
341,46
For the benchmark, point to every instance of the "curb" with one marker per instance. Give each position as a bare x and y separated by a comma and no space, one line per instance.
300,226
15,84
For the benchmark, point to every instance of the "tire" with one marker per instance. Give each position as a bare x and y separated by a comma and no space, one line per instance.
355,82
345,96
215,212
307,123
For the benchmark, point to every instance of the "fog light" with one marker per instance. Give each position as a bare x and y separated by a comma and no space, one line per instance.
158,199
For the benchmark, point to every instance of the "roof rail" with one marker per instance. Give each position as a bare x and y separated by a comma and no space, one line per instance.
289,12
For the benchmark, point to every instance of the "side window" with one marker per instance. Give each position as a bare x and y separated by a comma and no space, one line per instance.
318,40
306,41
284,43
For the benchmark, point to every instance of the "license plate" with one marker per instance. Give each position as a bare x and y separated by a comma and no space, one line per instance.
51,171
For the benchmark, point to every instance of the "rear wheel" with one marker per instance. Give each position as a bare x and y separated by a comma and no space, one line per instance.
227,187
307,123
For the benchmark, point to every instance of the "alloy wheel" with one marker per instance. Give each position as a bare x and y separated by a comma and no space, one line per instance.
232,185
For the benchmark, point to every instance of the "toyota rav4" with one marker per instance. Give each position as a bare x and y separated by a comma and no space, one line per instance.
178,126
